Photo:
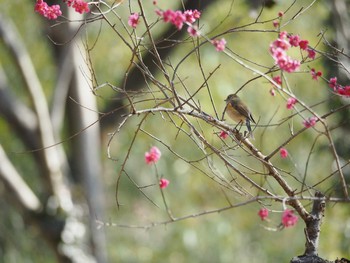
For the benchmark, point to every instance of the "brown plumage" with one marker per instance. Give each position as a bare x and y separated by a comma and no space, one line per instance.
239,112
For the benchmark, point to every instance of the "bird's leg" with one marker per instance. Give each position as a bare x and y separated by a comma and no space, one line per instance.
239,126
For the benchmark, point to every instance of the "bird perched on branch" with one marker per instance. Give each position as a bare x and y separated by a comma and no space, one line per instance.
239,112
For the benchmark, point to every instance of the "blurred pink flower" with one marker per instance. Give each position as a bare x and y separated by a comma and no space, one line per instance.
291,102
219,44
283,153
163,183
153,155
288,218
133,20
263,213
223,135
310,122
315,74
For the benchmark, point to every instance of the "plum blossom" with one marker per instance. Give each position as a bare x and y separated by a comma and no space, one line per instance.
133,20
273,92
79,5
288,218
153,155
163,183
294,40
303,44
339,89
178,18
281,45
310,122
263,213
223,134
277,79
219,44
49,12
311,53
283,153
291,102
193,31
315,74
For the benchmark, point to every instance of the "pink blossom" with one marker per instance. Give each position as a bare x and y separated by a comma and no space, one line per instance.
154,2
294,40
278,50
311,53
219,44
153,155
263,213
291,102
333,82
275,23
279,43
133,20
315,74
280,13
284,153
288,218
193,31
163,183
310,122
273,92
223,134
178,18
303,44
283,35
50,12
277,79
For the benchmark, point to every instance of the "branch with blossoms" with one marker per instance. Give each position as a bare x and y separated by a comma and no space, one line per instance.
240,166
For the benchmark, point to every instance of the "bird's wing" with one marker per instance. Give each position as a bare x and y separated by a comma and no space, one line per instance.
242,109
251,118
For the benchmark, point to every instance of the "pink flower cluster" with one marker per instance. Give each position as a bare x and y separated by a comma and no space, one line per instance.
54,11
278,49
291,102
133,20
288,218
219,44
339,89
178,18
310,122
50,12
79,5
153,155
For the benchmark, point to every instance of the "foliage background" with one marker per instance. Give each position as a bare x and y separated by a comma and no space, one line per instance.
236,235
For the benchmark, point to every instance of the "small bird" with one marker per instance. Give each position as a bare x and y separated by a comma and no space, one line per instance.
239,112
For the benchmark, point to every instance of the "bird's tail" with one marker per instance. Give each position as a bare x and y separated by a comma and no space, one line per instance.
249,129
